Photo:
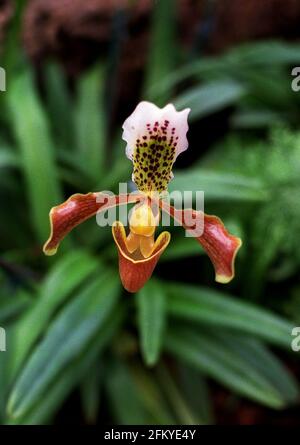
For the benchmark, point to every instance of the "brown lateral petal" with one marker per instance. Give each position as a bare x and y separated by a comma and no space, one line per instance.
220,246
78,208
135,273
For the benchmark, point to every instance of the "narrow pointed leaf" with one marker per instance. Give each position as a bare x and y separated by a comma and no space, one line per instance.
209,98
210,307
218,359
151,306
65,340
91,122
46,406
220,185
37,151
67,274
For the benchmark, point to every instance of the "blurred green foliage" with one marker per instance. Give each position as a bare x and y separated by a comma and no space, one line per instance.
149,358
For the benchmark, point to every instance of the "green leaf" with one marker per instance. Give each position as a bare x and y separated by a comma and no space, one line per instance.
124,397
60,106
151,320
182,410
151,395
66,338
219,185
135,397
269,87
218,358
13,305
8,158
210,307
268,53
67,274
206,66
193,382
11,54
209,98
90,393
256,118
90,118
47,405
37,152
260,55
161,59
265,362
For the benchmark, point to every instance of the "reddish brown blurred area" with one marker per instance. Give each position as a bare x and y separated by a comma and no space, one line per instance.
6,12
77,32
241,21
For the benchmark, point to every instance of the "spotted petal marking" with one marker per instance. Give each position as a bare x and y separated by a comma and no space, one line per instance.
155,137
153,157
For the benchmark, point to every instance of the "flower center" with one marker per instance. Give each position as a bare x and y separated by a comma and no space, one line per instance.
142,221
153,157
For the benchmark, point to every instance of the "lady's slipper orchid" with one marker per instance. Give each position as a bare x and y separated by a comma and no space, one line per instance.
155,137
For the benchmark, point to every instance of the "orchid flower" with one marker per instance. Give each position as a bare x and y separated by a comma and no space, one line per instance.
155,137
